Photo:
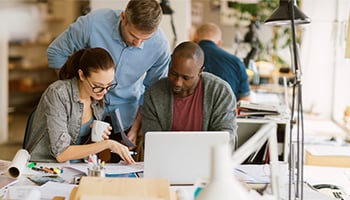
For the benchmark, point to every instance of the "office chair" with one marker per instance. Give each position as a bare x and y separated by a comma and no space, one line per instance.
28,127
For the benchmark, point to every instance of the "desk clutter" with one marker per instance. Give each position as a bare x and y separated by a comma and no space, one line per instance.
250,109
70,181
19,177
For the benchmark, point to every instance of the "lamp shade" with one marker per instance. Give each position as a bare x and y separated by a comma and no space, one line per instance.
222,185
282,15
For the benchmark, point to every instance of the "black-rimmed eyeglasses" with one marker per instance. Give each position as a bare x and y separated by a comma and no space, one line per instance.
98,89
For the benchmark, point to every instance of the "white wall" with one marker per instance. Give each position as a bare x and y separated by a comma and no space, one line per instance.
341,92
4,39
317,56
325,71
182,21
182,16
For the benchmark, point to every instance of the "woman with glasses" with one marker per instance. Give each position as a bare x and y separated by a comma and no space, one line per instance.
139,48
63,118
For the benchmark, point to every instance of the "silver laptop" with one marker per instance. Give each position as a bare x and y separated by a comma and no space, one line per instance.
180,157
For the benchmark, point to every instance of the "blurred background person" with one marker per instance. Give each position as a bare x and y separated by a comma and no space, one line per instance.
220,62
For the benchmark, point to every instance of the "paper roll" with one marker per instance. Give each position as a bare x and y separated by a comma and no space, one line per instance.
18,164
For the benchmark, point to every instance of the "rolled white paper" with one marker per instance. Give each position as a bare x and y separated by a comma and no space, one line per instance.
18,164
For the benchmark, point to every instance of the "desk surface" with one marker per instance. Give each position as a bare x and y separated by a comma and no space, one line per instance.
312,175
23,186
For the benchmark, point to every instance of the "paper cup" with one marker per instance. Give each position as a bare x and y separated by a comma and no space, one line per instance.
98,129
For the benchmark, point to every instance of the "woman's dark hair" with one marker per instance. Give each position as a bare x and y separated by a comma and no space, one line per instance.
88,60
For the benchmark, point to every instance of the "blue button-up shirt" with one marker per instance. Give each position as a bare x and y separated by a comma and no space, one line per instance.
136,67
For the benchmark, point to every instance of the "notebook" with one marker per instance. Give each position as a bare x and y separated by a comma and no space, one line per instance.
180,157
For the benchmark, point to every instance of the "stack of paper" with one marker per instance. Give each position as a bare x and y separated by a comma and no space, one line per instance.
246,108
5,182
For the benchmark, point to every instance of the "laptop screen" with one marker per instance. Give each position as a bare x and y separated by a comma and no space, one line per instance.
180,157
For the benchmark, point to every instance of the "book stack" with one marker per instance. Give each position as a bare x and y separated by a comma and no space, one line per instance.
246,109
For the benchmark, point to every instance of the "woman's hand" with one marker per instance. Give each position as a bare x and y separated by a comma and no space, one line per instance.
122,151
106,133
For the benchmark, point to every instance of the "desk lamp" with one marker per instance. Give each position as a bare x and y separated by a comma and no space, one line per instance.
223,185
288,14
167,10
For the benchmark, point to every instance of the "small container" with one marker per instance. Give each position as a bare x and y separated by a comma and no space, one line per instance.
96,172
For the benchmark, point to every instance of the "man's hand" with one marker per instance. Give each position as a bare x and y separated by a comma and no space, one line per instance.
132,135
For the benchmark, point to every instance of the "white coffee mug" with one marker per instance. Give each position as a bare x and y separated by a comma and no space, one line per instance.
98,129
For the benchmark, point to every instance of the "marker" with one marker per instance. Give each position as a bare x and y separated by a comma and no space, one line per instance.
31,165
48,170
133,153
56,170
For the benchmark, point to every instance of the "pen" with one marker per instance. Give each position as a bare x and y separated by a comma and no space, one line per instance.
44,169
56,170
38,169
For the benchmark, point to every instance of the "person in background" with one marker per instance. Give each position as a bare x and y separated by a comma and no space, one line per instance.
222,63
61,127
139,48
189,99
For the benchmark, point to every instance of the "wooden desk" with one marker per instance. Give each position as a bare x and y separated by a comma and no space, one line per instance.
325,143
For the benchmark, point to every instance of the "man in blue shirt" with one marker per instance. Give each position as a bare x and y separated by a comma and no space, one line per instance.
139,49
220,62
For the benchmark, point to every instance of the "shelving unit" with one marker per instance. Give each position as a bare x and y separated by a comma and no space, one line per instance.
28,71
29,74
24,72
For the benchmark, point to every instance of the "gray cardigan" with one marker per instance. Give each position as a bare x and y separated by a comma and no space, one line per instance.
219,106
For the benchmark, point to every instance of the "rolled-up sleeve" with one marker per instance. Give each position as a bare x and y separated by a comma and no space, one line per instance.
57,120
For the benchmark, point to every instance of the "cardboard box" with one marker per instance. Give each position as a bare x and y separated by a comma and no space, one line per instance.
333,156
122,188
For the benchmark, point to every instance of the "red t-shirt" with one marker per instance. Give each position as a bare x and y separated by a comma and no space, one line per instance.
188,111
